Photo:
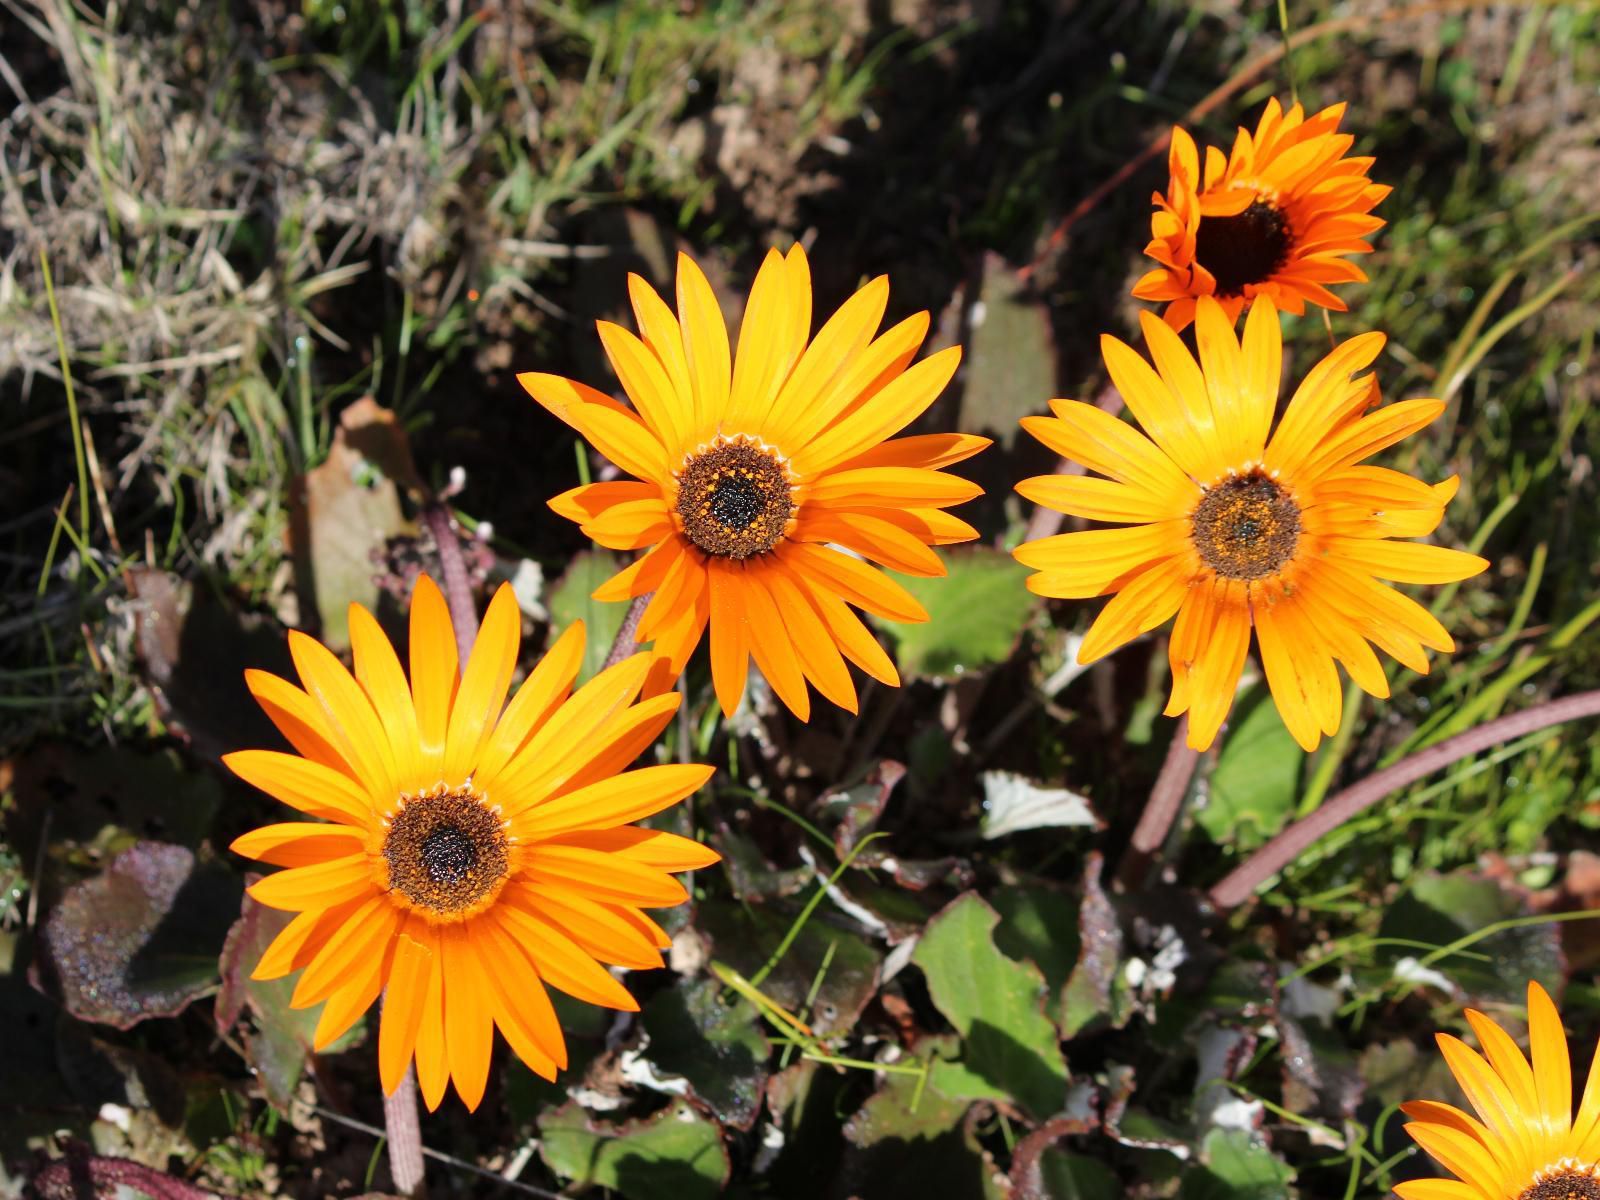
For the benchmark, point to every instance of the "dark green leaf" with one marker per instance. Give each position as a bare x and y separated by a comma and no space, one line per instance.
1011,356
1040,926
717,1046
1257,779
996,1004
571,599
975,614
675,1154
1236,1166
746,937
1438,910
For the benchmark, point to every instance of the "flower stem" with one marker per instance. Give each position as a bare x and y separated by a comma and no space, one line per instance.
402,1126
457,585
626,641
403,1134
1241,883
1161,809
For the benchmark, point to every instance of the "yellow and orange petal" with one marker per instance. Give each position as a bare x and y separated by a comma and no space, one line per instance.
767,482
1525,1143
1233,526
1278,216
467,852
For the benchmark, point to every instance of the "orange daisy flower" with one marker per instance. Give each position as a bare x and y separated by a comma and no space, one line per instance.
1525,1143
467,851
749,469
1229,528
1275,217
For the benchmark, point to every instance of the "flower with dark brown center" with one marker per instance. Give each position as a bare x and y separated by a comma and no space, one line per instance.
1526,1142
447,855
463,846
734,499
1569,1185
1280,216
1245,248
1246,527
768,485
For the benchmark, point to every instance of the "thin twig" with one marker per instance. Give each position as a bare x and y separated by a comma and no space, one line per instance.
1241,883
626,643
1161,809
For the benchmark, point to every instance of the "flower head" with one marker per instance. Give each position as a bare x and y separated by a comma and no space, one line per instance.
1525,1143
1230,528
465,851
749,468
1275,217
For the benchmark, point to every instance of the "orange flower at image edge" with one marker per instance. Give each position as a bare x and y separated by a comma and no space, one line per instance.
467,851
1275,217
1525,1143
1230,529
749,469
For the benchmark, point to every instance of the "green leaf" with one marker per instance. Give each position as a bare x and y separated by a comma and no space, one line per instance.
1237,1167
829,972
995,1003
910,1141
1257,778
718,1047
1438,910
1066,1176
572,599
1011,356
676,1154
1040,926
975,614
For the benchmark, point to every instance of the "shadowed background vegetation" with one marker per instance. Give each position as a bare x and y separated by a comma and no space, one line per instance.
267,272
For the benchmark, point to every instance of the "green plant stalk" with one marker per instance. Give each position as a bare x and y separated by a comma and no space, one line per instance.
55,541
1502,327
1480,314
1332,754
72,400
811,907
1519,615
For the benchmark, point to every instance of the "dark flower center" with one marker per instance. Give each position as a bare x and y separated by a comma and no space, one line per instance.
446,852
1247,527
1569,1185
1245,248
448,855
734,500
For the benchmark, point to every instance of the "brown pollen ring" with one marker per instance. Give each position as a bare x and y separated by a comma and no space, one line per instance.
446,854
734,499
1247,527
1568,1185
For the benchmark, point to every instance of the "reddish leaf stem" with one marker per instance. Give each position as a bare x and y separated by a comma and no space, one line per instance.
626,643
1161,809
457,586
1242,882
